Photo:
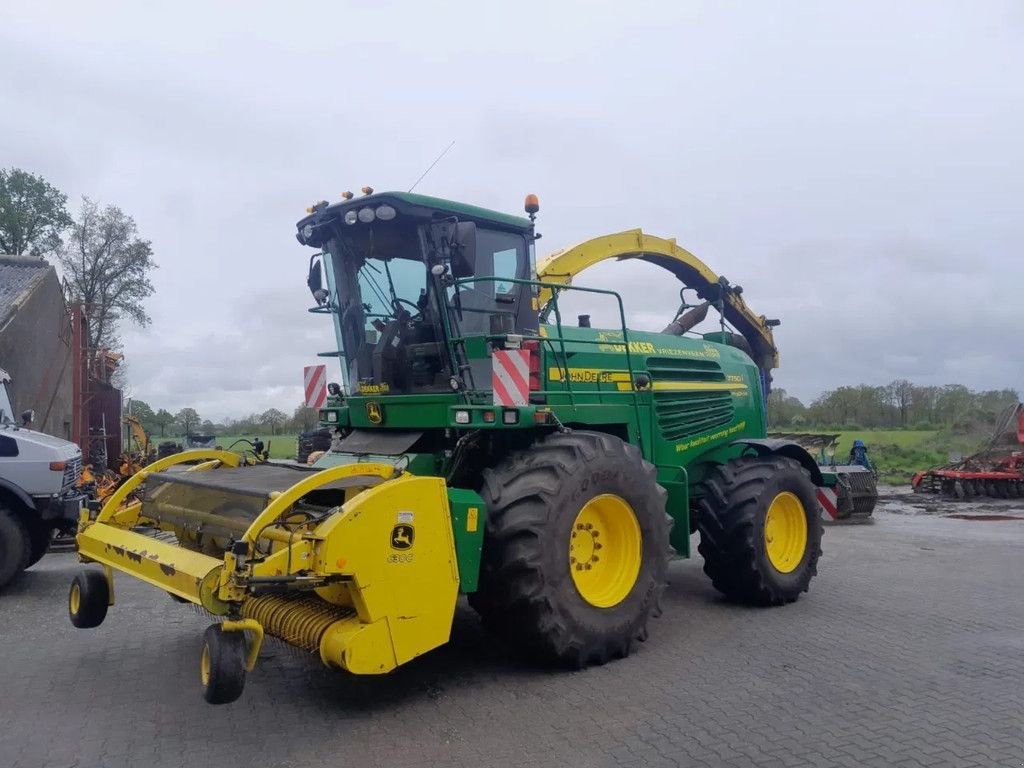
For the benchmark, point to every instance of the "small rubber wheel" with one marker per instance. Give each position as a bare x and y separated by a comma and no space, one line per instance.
88,599
222,665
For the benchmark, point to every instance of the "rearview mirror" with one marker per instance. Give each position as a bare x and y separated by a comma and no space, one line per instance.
463,249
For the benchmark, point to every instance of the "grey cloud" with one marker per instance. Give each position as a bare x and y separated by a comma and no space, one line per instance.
856,167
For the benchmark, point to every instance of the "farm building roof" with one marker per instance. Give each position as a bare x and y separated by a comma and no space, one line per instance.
19,276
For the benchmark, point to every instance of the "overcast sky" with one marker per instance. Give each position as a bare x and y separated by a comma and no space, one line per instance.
858,167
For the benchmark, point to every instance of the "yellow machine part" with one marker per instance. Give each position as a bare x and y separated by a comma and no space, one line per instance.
388,552
395,544
563,265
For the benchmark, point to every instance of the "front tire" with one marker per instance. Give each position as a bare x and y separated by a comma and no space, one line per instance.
760,533
39,536
14,547
576,548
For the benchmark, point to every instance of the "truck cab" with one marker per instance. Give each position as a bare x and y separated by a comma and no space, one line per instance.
38,475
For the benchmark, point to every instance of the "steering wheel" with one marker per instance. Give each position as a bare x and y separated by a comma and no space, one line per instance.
417,313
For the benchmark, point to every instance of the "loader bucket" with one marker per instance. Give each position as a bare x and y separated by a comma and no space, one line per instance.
356,563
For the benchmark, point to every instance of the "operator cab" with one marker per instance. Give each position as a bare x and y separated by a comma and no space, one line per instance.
409,279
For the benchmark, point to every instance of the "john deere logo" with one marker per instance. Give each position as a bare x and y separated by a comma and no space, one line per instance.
402,536
374,413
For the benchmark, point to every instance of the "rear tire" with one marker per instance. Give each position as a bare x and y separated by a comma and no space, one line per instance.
543,581
14,547
88,599
752,556
222,665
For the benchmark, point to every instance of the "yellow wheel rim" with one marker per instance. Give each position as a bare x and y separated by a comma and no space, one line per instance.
785,532
204,665
76,598
605,550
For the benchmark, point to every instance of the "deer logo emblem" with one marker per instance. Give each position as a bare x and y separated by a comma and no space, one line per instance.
402,536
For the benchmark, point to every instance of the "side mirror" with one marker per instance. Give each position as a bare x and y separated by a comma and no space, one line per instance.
463,249
315,281
27,417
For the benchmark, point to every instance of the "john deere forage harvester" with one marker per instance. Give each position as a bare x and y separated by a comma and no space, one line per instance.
481,447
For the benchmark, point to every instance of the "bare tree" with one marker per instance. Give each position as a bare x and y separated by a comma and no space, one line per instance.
107,267
272,418
902,393
33,214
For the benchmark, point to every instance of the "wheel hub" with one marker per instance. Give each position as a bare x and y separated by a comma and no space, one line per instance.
605,550
785,532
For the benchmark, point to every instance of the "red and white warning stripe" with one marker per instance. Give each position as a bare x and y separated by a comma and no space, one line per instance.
510,376
828,501
316,385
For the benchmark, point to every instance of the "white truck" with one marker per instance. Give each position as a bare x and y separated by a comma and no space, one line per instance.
38,495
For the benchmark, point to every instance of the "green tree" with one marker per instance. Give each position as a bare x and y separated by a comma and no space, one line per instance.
163,419
188,420
141,410
783,409
33,214
304,418
107,266
272,418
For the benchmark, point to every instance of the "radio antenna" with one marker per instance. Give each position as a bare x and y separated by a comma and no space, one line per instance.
438,160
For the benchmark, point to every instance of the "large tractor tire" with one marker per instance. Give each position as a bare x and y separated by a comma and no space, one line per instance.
760,533
14,547
576,548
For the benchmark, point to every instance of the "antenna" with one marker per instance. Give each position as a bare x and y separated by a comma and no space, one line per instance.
438,160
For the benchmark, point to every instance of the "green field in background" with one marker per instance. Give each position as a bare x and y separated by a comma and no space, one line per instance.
281,446
899,453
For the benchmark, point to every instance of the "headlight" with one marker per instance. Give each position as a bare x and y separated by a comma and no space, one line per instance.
307,232
351,217
366,215
462,417
332,417
386,212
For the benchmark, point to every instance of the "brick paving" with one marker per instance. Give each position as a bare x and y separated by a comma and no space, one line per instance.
908,651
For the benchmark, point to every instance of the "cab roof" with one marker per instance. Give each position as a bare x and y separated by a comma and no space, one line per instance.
409,204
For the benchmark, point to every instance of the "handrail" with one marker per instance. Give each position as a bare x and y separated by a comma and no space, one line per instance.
556,288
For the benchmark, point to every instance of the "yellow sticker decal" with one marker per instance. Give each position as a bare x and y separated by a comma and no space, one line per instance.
402,536
374,413
471,519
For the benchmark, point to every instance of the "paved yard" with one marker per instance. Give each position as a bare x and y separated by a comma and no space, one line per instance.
908,651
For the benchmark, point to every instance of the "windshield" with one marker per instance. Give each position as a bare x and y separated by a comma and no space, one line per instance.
391,309
6,408
389,324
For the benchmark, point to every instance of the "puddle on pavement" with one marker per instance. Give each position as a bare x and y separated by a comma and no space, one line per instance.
901,500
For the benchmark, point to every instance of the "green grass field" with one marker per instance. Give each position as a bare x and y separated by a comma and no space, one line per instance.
281,446
899,453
